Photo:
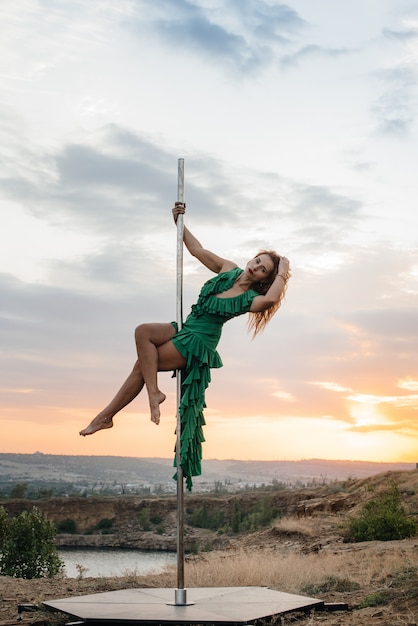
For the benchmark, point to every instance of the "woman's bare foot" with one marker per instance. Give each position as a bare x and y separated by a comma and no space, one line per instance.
154,402
100,422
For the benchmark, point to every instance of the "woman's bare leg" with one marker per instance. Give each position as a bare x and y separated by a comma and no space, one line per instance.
156,352
159,354
129,390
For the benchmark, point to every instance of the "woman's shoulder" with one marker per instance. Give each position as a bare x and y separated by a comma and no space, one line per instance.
232,270
230,274
228,266
221,281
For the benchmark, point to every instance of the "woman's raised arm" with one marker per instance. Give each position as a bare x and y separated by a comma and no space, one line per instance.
211,260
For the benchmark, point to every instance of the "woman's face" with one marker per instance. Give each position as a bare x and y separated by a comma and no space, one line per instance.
259,268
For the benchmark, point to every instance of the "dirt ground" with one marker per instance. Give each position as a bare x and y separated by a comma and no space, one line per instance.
395,606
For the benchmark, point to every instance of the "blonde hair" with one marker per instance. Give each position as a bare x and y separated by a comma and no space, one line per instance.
259,320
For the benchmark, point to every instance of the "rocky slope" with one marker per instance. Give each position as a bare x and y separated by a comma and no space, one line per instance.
151,522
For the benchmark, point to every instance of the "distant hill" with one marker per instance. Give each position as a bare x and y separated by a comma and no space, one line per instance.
128,473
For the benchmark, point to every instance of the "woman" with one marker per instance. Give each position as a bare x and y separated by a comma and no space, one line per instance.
259,290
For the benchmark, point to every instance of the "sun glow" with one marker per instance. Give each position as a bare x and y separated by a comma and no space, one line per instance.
366,415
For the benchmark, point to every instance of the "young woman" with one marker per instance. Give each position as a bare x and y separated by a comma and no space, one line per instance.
258,289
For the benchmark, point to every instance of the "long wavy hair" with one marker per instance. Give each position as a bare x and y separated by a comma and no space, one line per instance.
258,321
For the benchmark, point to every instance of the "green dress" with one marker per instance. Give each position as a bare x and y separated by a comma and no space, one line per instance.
197,342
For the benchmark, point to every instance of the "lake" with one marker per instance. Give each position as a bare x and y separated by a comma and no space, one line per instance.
113,562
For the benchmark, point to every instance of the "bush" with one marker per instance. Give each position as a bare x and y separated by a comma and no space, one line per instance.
261,514
375,599
67,526
28,549
205,518
104,524
103,527
382,519
20,490
144,519
331,583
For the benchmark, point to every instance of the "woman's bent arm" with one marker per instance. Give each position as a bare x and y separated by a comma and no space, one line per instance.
273,295
211,260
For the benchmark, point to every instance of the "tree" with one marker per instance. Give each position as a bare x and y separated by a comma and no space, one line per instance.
28,549
144,519
19,490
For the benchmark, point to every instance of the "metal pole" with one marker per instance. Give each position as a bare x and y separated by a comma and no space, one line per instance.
180,592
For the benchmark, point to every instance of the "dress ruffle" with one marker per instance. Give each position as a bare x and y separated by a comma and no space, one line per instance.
197,342
225,307
195,380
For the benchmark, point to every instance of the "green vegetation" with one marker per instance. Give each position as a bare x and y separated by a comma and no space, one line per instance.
406,579
103,526
147,521
207,517
261,514
382,519
67,526
144,519
20,490
4,519
28,546
331,583
377,598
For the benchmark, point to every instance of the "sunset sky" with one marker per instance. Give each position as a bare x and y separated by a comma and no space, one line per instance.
298,125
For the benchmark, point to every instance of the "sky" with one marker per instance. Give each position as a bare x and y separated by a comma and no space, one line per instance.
298,127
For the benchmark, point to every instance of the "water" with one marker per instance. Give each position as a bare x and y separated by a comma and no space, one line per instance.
108,563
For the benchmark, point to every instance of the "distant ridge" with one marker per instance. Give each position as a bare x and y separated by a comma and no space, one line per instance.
107,470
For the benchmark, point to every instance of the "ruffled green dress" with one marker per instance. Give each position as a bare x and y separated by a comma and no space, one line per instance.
197,342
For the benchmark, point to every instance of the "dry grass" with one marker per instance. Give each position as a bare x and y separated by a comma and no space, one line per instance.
295,572
292,525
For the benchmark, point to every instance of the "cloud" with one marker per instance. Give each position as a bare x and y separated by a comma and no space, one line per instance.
397,325
241,36
395,117
409,383
395,107
115,184
66,346
42,35
311,51
324,216
333,387
401,35
399,401
398,427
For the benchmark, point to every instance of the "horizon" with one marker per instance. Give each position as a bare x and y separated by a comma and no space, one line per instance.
302,460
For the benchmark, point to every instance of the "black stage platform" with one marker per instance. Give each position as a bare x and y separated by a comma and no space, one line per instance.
211,605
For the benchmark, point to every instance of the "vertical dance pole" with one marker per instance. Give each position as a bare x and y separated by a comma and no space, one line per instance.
180,592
